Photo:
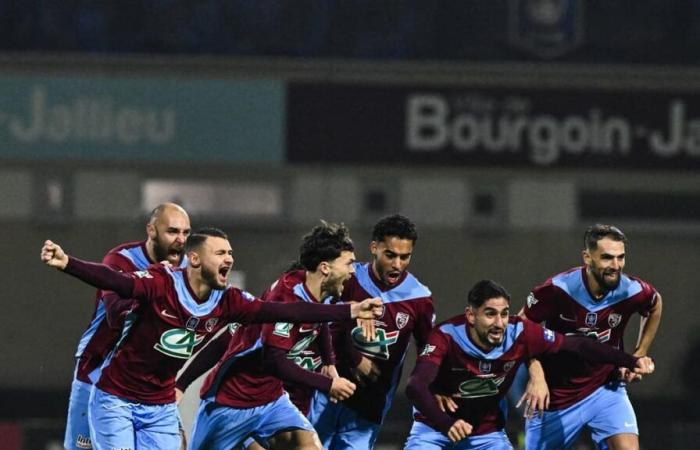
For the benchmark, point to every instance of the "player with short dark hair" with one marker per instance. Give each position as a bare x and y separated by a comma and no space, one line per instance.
243,396
167,230
595,300
473,358
378,362
133,404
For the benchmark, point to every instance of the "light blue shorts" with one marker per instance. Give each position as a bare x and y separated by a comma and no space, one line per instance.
425,437
339,427
118,423
77,425
218,427
607,411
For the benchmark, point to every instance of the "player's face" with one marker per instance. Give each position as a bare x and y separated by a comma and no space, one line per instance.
605,263
216,259
391,258
169,233
337,272
488,322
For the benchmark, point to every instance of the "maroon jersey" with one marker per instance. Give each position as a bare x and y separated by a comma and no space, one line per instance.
240,380
103,332
408,310
477,380
172,323
565,304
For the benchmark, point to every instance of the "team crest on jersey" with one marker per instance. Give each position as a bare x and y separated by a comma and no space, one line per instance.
485,366
531,300
282,329
142,274
591,319
614,319
178,343
428,349
379,347
192,323
210,324
233,327
508,365
401,320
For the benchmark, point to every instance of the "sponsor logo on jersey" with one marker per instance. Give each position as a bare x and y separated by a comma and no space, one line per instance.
428,349
567,319
548,335
297,354
531,300
401,320
233,327
591,319
83,442
485,366
178,343
282,329
508,365
303,328
379,347
165,313
614,319
480,387
210,324
310,363
143,274
602,336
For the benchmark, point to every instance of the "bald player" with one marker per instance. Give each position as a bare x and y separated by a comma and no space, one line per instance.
166,232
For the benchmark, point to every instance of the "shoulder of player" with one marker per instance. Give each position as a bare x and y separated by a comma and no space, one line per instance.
647,287
115,259
452,322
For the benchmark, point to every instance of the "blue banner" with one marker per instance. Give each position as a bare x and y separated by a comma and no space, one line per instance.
92,117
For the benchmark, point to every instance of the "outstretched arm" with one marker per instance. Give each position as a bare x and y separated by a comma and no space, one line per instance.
97,275
270,312
594,351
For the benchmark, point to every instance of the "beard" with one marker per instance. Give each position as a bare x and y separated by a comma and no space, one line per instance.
603,282
332,286
210,277
164,252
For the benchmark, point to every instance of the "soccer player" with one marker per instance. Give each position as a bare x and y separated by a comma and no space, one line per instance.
166,230
243,396
408,310
472,358
595,300
133,403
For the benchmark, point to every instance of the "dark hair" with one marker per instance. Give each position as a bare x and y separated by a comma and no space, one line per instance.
484,290
596,232
325,242
196,239
394,226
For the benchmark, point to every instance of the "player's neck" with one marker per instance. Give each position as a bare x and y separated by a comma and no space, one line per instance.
150,251
197,285
313,284
596,290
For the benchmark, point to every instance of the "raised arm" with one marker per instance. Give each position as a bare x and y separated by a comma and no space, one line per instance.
270,312
97,275
592,350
